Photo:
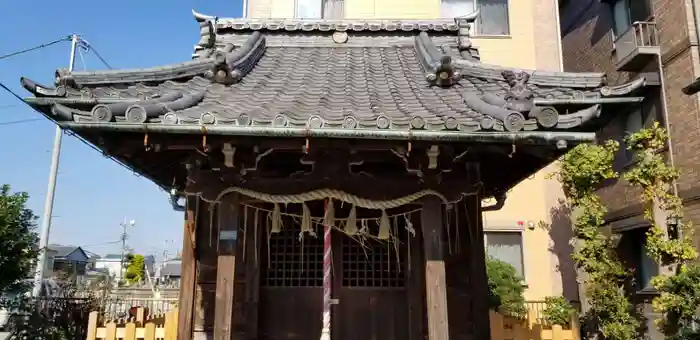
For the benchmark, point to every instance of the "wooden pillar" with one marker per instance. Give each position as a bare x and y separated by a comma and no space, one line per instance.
480,284
188,271
435,282
251,297
415,282
226,264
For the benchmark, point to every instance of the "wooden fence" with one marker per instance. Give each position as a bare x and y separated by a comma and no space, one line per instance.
509,328
164,326
142,326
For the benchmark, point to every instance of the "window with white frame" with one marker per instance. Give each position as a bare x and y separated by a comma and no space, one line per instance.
493,14
319,9
506,246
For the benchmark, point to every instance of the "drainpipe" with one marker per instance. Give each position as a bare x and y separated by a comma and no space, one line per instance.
244,14
694,5
560,53
667,124
694,87
500,202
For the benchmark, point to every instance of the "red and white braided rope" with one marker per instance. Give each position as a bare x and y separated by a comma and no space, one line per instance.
327,281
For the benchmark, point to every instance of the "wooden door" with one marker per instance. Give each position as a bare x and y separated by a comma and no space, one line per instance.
371,290
369,281
291,285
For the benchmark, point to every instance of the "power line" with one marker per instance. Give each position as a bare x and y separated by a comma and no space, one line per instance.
101,244
88,47
101,59
4,87
67,38
13,122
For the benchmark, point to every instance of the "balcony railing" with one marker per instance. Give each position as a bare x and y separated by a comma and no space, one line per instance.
637,46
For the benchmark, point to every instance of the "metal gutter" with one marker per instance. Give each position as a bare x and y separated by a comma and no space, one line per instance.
523,137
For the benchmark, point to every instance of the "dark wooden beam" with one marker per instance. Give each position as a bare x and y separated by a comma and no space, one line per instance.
226,265
435,281
188,271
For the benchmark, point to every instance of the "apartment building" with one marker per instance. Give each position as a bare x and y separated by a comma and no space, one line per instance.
655,42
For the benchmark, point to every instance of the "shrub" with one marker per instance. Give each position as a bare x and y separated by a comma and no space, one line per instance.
558,311
505,288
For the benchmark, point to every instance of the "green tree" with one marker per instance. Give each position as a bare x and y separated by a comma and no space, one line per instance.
135,269
669,242
18,239
582,171
505,288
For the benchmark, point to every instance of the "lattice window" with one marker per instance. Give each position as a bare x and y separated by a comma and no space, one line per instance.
291,262
374,263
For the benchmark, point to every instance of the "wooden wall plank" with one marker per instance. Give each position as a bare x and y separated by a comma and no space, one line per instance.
188,271
226,264
435,283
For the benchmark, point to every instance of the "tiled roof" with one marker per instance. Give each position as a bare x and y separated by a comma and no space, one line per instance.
386,75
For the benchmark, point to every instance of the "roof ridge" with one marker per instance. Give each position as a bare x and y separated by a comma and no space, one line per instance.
287,24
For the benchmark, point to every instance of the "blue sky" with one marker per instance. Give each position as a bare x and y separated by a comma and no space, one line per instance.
93,194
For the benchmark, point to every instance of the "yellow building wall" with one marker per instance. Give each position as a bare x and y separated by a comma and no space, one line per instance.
533,43
392,9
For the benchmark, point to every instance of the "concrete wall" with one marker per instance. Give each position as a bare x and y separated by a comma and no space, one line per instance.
533,44
112,265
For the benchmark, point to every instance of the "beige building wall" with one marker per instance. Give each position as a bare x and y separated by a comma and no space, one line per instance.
533,43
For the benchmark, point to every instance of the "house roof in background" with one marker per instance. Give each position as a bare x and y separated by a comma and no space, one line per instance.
111,257
91,255
171,269
64,251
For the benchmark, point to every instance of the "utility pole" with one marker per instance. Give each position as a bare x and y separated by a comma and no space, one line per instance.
124,236
48,204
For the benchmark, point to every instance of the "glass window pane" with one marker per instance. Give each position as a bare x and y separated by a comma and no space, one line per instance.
334,9
639,10
621,16
493,17
634,122
647,267
507,247
309,9
456,8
